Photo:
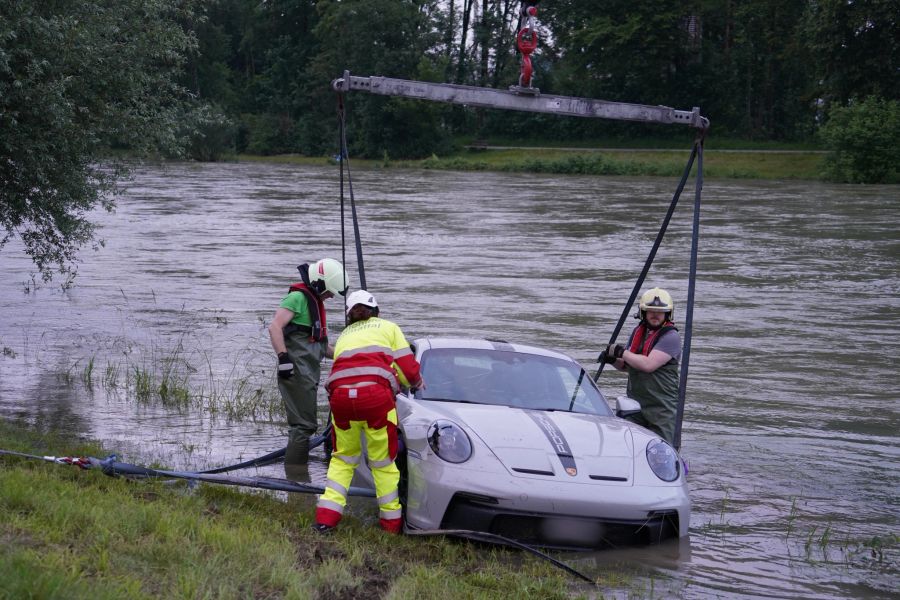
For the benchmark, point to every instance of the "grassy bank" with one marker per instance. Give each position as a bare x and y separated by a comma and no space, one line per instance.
68,533
773,162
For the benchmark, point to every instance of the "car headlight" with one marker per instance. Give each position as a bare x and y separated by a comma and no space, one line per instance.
663,460
449,441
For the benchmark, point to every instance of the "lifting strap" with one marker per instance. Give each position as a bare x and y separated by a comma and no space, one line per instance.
344,162
696,153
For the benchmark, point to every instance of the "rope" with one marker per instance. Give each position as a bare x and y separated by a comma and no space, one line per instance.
649,261
483,536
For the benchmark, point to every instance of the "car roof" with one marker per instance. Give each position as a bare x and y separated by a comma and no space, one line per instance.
486,344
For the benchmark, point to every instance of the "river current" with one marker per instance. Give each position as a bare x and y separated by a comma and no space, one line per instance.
793,401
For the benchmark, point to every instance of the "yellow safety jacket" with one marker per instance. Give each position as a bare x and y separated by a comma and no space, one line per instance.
373,350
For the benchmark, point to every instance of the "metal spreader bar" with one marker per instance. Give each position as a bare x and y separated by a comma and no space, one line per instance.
518,100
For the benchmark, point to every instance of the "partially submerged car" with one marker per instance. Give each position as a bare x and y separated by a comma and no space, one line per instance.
519,442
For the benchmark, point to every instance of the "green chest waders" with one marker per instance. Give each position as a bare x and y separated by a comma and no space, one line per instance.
299,393
658,394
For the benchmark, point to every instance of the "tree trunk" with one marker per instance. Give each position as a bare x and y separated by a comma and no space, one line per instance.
484,41
505,42
464,34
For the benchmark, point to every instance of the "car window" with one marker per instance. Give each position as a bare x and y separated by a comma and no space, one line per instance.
517,379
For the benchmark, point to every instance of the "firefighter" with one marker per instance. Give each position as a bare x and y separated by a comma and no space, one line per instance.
651,359
372,360
299,337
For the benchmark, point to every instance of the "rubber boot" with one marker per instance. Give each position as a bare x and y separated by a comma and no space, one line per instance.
295,472
297,451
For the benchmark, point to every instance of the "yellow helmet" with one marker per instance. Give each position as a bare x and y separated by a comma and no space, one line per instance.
327,275
658,299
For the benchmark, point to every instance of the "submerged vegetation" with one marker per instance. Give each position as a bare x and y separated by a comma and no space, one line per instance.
152,376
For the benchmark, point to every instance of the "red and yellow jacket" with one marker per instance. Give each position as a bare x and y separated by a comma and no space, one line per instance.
373,350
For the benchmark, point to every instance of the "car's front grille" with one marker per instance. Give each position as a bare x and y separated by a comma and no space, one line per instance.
559,531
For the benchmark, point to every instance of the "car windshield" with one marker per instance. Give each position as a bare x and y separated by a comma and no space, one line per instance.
518,379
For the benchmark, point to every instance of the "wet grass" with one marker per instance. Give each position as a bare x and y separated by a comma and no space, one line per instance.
163,375
68,533
87,374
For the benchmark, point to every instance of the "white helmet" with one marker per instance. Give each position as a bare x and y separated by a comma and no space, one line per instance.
658,299
327,275
361,297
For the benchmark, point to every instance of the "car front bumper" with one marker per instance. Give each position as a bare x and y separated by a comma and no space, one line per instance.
543,511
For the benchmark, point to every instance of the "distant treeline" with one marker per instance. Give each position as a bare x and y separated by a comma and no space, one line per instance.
762,70
87,85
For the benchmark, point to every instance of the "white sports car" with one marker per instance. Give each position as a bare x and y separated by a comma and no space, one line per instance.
518,441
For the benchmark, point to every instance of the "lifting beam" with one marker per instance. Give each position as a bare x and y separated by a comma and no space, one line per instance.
512,100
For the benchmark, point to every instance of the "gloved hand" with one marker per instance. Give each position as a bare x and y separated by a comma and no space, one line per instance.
285,366
613,353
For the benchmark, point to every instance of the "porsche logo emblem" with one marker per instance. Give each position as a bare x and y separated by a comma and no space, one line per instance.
572,471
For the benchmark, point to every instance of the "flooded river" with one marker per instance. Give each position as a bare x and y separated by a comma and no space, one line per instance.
793,411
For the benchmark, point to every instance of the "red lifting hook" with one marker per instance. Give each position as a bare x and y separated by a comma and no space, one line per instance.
527,41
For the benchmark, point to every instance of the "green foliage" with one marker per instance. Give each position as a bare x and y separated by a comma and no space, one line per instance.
759,70
862,139
212,134
78,77
855,47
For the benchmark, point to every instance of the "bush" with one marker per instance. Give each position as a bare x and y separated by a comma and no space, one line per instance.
862,140
212,134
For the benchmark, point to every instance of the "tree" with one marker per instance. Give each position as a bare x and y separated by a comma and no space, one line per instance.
392,38
856,48
862,139
78,78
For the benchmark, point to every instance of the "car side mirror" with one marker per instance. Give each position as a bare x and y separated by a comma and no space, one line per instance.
627,406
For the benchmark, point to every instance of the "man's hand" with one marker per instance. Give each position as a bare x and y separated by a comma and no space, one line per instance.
285,366
613,353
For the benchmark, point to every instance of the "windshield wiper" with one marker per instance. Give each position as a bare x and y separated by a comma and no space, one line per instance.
451,400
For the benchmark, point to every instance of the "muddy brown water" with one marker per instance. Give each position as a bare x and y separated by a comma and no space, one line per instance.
791,423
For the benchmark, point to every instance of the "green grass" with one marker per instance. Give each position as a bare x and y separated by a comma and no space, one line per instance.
68,533
713,142
774,163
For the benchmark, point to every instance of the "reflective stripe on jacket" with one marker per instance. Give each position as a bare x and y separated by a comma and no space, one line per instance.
373,350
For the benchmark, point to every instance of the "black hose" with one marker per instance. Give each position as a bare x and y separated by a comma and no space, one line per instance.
483,536
266,459
270,458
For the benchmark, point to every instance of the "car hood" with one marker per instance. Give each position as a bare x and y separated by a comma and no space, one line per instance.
541,444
